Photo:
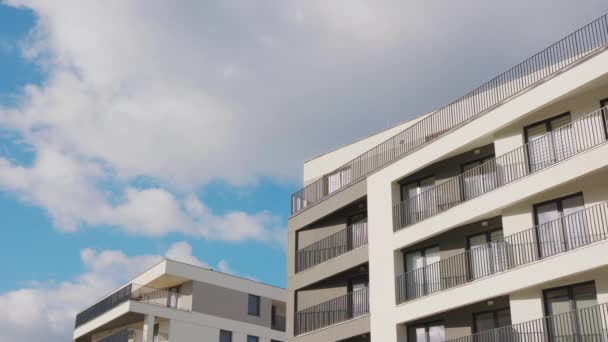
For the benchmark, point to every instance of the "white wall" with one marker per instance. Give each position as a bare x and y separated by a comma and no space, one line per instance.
385,316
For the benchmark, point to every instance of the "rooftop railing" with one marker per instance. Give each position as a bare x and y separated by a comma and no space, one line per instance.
549,149
134,292
588,324
554,237
545,64
349,306
344,241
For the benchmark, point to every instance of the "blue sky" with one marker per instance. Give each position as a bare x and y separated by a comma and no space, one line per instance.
29,232
132,131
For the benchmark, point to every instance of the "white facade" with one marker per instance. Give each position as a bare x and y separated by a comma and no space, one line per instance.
177,302
528,175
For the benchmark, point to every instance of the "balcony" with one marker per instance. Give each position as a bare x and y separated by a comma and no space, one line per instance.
341,309
584,325
554,237
540,67
278,323
549,149
344,241
133,335
134,292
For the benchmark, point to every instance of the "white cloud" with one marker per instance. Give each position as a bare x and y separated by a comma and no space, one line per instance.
46,311
234,91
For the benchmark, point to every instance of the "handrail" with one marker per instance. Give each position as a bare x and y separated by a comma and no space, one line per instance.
341,242
549,149
559,236
135,292
587,324
562,54
334,311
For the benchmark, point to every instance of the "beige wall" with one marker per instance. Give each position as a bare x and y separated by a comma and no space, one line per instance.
222,302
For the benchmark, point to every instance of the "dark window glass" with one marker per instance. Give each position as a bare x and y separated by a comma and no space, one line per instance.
252,338
427,332
254,305
490,320
574,313
225,336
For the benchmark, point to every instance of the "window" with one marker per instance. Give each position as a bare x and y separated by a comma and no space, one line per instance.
543,149
356,233
489,320
358,304
566,324
478,179
254,305
420,281
427,332
173,297
339,179
561,224
488,253
418,208
225,336
252,338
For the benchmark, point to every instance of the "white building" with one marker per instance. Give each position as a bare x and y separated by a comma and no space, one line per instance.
178,302
484,220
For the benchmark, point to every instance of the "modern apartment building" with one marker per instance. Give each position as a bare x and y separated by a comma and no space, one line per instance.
486,219
178,302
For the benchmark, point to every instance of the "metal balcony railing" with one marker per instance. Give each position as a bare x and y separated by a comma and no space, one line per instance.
545,64
584,325
354,236
352,305
134,335
549,149
134,292
555,237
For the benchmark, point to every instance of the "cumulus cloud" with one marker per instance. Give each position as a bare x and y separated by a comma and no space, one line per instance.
234,91
46,311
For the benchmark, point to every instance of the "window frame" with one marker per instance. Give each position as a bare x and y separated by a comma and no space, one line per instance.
416,181
546,122
570,288
494,313
423,253
560,208
426,326
257,309
255,338
227,332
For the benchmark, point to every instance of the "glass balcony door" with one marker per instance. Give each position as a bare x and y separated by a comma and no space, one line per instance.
488,253
356,232
427,332
358,302
417,205
479,177
490,320
339,179
543,149
583,325
561,225
419,279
